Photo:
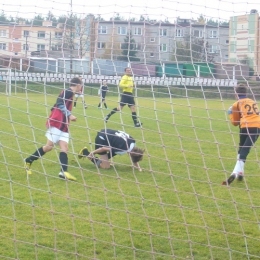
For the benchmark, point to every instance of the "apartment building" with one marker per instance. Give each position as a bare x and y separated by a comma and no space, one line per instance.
25,40
244,40
153,41
47,40
157,41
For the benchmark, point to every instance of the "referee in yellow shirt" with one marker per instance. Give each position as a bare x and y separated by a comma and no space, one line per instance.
127,98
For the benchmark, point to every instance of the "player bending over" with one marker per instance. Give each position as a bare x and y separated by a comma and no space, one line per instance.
109,143
245,114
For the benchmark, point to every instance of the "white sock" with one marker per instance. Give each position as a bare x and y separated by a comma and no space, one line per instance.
238,156
239,167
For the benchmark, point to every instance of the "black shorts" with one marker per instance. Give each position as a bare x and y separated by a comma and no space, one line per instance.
127,99
103,96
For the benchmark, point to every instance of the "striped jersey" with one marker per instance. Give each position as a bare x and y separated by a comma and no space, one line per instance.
61,111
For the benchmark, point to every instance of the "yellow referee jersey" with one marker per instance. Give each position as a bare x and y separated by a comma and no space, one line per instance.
127,83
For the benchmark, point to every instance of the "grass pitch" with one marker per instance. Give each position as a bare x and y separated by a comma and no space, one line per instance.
175,209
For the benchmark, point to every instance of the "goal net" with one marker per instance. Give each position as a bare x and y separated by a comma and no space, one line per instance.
185,59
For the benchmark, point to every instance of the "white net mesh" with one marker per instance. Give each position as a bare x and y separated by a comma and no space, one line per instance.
185,58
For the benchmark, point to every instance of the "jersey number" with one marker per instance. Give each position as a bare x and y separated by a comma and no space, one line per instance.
122,134
252,109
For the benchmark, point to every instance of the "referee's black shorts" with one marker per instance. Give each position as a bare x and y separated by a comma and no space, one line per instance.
127,98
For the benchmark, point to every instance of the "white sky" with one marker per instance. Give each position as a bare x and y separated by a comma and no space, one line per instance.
154,9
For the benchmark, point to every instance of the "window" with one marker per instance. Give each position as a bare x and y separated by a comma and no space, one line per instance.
121,30
77,46
58,35
198,33
2,33
41,34
213,34
25,47
16,53
227,41
152,39
163,47
101,45
56,47
226,57
138,31
137,46
102,29
213,49
163,32
179,32
26,33
151,54
40,47
2,46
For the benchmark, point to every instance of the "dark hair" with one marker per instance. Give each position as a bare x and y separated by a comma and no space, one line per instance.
75,81
137,154
241,89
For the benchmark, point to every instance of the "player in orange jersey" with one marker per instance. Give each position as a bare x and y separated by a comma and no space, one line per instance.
245,114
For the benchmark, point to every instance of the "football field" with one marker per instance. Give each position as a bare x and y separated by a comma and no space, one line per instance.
176,208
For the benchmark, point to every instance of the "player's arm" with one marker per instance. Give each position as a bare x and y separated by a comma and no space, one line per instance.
234,114
61,100
138,167
99,150
125,82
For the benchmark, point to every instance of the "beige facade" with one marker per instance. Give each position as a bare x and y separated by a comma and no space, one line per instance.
25,40
46,40
244,40
154,41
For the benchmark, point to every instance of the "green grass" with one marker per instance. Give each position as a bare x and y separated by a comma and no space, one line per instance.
174,209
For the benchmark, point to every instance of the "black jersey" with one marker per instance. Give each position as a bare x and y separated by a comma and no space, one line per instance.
104,89
119,141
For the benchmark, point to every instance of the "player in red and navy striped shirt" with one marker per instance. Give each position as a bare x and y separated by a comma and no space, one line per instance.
58,129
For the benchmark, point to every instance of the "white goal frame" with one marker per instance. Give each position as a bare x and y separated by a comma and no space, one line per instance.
6,75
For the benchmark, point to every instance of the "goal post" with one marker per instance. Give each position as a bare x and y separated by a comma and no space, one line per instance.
6,78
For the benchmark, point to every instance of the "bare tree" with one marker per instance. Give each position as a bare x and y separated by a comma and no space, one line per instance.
192,49
76,36
112,48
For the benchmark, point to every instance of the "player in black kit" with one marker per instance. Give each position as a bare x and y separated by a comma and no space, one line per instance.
102,93
109,143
